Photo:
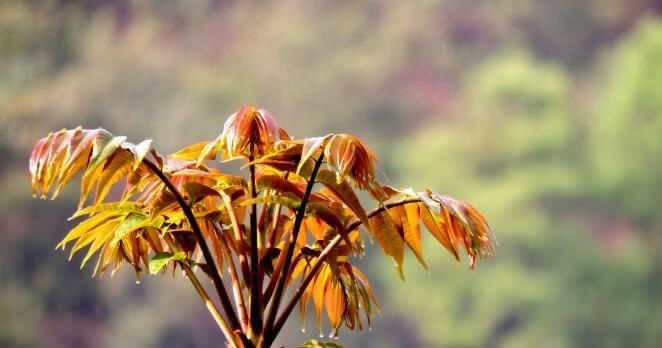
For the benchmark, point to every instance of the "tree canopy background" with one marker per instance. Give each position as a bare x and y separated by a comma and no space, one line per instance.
545,114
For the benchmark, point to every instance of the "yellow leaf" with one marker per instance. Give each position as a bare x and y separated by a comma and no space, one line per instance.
409,221
119,166
310,146
95,233
334,300
75,161
89,179
109,149
190,153
388,238
118,207
210,149
140,151
102,235
57,158
366,286
344,193
319,290
279,184
85,226
437,229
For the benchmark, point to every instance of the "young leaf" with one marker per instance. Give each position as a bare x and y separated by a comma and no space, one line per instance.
279,184
406,217
437,229
344,192
318,344
388,238
131,223
120,164
149,220
210,150
159,260
140,151
310,146
191,153
121,207
335,303
108,150
197,191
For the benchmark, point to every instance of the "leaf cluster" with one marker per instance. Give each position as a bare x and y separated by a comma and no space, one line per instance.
262,233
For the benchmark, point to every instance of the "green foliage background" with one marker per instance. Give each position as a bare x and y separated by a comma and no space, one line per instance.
546,115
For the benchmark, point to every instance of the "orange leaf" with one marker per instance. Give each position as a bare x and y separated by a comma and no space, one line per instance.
388,238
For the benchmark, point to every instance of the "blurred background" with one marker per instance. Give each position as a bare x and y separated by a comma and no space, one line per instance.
546,115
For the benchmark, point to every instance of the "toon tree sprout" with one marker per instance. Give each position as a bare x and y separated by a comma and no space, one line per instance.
268,241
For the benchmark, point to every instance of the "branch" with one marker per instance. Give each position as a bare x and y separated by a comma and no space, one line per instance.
276,221
320,261
351,227
299,292
236,284
266,297
284,274
216,278
273,281
255,284
237,236
211,307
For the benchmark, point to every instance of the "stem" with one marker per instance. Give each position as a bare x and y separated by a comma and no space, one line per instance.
273,281
354,225
211,307
274,278
210,304
236,285
255,284
274,226
213,270
237,235
239,238
276,222
302,287
320,261
284,275
266,297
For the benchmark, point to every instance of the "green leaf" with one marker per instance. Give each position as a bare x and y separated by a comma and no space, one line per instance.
130,223
161,259
119,207
318,344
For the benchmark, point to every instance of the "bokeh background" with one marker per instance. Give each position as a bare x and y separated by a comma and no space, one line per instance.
547,115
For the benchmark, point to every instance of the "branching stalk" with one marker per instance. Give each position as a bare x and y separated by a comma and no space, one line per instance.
237,236
211,307
236,284
216,278
284,273
269,291
318,264
300,290
276,222
255,284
